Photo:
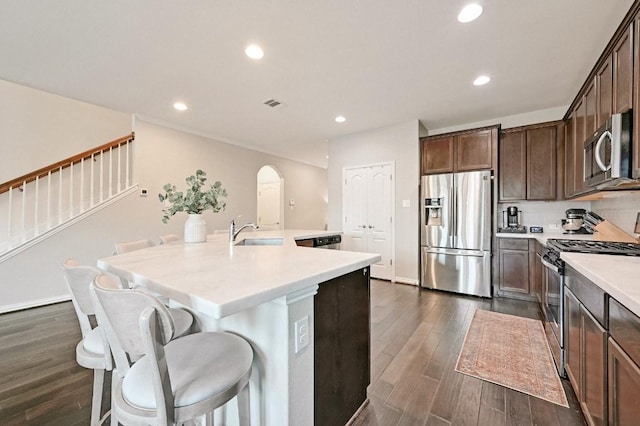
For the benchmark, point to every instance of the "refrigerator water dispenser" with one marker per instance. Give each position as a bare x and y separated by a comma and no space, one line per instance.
433,211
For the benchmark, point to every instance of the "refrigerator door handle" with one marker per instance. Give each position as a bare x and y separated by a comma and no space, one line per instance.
454,213
451,218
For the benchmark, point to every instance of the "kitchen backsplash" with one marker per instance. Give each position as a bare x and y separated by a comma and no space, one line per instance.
547,214
621,211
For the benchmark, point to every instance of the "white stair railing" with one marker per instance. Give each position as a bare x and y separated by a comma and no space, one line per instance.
36,204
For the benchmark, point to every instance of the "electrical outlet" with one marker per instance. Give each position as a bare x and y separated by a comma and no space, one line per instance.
301,328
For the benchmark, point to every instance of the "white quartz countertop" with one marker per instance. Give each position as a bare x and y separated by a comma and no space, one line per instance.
617,275
219,279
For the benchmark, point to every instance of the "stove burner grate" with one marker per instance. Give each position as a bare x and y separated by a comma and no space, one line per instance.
596,247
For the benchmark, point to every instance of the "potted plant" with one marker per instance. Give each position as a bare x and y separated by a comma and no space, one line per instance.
194,201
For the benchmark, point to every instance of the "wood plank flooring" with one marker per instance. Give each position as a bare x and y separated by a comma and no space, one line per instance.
40,381
416,337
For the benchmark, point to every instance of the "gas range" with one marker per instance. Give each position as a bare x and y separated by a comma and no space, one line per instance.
595,247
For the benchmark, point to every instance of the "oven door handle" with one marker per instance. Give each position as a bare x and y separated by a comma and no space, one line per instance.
550,265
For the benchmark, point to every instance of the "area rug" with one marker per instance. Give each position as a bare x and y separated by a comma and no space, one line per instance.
513,352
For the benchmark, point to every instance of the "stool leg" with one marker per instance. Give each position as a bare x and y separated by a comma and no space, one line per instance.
96,400
244,407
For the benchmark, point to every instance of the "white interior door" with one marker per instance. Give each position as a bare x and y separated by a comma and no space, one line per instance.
367,207
355,210
379,219
269,205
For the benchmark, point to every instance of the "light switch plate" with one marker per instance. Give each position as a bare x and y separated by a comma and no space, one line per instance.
406,203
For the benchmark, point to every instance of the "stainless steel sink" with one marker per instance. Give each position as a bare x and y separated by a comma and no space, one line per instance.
260,242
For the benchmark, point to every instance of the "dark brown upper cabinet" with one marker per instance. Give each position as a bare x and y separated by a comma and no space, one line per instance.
578,147
437,155
528,163
512,169
458,152
612,87
622,58
473,150
604,94
569,157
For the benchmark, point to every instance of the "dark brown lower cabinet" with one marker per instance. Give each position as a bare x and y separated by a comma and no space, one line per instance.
341,353
517,277
624,371
593,398
624,387
586,359
572,323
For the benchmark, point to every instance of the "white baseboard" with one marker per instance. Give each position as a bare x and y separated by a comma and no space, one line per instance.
33,304
403,280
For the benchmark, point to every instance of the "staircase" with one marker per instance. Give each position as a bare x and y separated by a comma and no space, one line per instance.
43,202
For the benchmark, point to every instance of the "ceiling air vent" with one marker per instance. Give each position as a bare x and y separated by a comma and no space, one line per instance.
274,103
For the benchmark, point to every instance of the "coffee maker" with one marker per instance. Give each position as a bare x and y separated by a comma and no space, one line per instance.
511,221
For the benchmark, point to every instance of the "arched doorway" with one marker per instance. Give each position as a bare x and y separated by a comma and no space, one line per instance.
270,198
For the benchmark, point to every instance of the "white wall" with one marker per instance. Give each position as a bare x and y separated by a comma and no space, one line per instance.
38,128
166,155
398,143
162,155
622,210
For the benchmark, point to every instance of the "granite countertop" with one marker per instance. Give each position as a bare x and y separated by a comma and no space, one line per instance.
219,279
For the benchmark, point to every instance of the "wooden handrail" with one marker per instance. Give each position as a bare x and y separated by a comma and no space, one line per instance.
30,177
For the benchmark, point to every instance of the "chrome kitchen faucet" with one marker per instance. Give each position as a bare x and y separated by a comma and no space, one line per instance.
233,233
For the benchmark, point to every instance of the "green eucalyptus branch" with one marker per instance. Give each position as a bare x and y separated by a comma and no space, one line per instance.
195,200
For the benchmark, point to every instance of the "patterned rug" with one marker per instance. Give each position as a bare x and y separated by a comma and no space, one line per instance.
513,352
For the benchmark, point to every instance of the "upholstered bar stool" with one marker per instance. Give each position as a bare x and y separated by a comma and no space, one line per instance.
92,351
169,238
172,379
127,246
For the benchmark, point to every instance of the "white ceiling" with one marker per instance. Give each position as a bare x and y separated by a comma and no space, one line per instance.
377,62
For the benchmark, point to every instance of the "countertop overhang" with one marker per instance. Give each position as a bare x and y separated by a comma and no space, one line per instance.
219,279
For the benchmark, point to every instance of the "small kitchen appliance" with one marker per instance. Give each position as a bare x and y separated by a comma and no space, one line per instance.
574,223
511,221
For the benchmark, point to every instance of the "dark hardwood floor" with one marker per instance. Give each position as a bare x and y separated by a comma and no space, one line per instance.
416,337
40,381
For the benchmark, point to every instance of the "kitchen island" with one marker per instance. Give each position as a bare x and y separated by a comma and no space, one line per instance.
265,293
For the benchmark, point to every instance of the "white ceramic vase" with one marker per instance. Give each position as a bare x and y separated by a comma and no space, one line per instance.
195,229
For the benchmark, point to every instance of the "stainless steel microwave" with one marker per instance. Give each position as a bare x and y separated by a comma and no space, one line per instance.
607,153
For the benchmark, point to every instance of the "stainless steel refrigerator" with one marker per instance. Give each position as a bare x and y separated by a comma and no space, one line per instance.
456,232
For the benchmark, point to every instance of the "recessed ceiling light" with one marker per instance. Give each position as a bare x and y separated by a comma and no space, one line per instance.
483,79
469,13
180,106
254,51
340,119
